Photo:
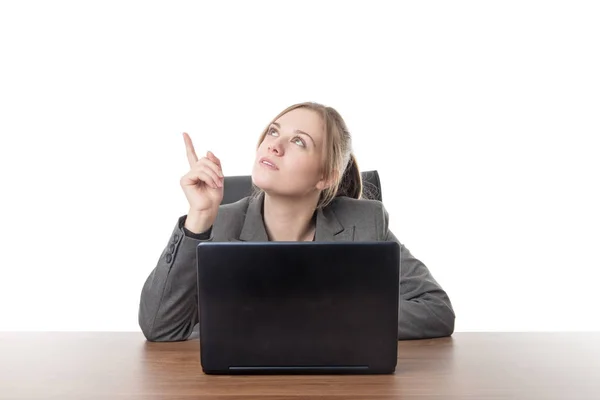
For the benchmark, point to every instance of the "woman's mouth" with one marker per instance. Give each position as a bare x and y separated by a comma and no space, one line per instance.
264,161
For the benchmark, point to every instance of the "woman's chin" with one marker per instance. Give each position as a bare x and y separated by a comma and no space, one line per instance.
263,181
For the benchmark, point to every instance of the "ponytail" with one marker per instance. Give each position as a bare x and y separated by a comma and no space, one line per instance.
351,184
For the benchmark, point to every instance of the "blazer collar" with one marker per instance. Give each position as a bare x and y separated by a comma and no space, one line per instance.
254,228
329,228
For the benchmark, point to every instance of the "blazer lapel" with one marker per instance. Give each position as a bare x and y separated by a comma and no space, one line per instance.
329,228
254,227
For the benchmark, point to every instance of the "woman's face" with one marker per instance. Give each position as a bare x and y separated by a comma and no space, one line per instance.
288,161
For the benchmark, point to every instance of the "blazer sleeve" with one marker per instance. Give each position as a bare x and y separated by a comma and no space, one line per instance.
425,310
168,304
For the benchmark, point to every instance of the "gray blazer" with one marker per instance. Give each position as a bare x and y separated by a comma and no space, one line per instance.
168,305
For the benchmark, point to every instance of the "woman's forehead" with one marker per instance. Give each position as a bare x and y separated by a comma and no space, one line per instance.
302,119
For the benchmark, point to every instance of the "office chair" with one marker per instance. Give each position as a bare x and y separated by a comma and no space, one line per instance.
238,187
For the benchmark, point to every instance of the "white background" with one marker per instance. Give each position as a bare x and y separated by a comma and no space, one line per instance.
482,118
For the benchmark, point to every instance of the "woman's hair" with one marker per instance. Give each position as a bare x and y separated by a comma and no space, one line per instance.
337,154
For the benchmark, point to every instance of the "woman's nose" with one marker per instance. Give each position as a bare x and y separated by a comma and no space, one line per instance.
276,148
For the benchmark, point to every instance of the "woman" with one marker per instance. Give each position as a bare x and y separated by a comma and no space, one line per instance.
309,187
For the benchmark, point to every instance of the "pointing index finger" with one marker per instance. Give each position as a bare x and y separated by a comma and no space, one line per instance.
189,149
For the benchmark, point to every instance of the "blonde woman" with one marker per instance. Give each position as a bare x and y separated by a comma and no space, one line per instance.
308,188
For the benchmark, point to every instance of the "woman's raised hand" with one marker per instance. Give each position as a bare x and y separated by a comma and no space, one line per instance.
203,188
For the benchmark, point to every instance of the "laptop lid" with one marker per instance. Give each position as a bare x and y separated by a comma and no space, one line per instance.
298,306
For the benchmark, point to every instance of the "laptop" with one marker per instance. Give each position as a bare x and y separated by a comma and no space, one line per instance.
298,307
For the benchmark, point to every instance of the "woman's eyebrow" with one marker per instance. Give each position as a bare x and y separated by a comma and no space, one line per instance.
296,131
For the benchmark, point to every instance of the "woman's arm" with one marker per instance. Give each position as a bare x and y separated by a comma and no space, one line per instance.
168,305
425,310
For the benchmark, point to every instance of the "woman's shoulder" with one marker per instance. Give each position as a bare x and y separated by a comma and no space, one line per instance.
348,209
368,217
348,204
237,209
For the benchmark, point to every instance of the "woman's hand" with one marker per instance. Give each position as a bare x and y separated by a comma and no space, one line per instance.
203,188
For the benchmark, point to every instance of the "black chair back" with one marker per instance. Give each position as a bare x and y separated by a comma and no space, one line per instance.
238,187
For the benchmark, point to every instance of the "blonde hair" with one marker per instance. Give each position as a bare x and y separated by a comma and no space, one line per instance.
336,157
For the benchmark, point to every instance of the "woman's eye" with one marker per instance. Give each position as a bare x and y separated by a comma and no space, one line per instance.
272,131
299,142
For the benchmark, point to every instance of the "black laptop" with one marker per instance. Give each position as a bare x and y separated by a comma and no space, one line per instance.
298,307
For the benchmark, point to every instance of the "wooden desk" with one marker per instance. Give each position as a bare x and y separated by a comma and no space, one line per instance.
466,366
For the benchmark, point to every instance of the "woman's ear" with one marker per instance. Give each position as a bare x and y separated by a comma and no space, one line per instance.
326,183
